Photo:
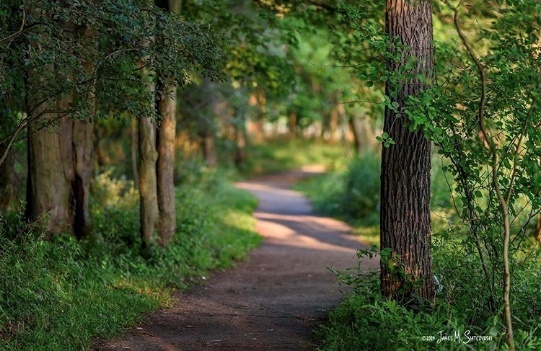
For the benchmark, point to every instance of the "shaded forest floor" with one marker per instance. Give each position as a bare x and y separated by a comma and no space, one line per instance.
274,300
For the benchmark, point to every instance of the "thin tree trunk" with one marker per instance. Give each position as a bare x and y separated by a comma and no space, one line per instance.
134,151
148,156
537,232
8,181
166,164
205,124
352,122
167,108
147,180
240,142
405,169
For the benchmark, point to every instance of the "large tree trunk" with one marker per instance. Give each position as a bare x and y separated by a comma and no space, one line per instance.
76,137
48,192
405,169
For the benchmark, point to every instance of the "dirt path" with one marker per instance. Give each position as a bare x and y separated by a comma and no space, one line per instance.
274,300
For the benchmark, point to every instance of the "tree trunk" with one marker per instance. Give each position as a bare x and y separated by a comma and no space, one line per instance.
78,141
405,169
537,232
166,164
48,192
241,140
8,179
293,124
167,108
147,180
205,123
148,188
134,151
352,122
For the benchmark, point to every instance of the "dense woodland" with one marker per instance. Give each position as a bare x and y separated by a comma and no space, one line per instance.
123,122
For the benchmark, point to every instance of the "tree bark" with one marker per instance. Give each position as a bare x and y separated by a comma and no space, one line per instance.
76,139
166,134
48,192
8,179
357,143
147,180
405,170
537,232
166,164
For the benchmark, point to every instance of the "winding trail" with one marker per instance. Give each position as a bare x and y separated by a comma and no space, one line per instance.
275,299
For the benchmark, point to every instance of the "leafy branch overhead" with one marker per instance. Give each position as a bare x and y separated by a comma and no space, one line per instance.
125,32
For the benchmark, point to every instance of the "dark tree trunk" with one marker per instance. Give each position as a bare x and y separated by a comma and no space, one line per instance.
405,170
134,151
352,122
76,138
8,178
241,141
537,232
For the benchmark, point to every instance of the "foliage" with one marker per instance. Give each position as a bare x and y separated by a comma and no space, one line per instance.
365,320
119,36
281,154
104,284
352,193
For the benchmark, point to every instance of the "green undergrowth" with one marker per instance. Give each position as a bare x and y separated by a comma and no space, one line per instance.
64,294
458,320
282,154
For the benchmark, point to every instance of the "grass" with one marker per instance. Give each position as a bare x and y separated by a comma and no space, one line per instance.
64,294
